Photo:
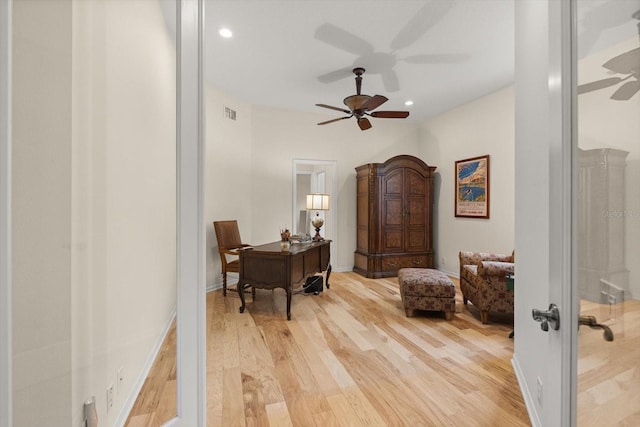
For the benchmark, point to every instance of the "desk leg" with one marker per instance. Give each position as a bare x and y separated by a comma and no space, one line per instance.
289,292
241,293
328,274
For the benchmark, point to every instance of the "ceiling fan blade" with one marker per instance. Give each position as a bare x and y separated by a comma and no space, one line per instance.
337,37
598,84
626,91
336,75
334,108
420,23
334,120
436,58
390,114
364,123
625,63
374,102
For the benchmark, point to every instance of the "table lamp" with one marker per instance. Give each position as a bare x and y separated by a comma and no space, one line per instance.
317,202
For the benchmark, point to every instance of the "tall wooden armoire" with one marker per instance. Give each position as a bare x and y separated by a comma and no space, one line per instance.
394,216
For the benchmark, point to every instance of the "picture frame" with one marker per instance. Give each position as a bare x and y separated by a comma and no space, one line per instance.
472,187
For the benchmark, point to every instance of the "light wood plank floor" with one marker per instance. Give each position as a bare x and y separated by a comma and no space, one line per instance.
609,372
349,356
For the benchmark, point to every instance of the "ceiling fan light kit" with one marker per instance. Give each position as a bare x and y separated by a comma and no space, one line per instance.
362,105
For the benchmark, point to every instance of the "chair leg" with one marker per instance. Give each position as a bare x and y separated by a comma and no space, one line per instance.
464,300
484,316
253,293
224,284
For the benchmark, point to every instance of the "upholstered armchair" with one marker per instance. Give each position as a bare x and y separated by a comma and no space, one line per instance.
483,281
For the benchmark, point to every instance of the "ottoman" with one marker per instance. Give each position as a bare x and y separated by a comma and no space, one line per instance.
426,289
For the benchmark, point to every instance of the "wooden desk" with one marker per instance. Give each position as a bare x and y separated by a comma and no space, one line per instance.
269,267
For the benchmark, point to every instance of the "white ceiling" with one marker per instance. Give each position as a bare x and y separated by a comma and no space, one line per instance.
292,54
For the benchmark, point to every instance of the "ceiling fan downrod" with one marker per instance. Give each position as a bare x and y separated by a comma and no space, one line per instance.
359,71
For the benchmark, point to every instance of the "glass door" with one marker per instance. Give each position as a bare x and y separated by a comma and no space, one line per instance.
607,159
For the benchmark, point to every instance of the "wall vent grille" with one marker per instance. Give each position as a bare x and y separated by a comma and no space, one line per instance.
229,113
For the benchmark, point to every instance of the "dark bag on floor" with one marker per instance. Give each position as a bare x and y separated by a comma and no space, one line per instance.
314,285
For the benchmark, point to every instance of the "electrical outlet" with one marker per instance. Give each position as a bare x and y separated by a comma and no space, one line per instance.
443,260
120,376
539,390
109,397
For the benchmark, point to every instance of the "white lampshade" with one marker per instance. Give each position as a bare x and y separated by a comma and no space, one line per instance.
318,202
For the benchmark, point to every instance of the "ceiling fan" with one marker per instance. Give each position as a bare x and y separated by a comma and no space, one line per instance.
362,105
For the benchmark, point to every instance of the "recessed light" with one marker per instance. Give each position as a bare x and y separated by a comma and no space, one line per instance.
408,103
225,32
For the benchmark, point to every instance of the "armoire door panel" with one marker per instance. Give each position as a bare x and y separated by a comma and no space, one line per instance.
393,184
416,239
416,185
416,215
392,212
392,240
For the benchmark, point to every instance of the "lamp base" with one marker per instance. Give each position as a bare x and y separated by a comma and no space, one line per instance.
318,237
317,221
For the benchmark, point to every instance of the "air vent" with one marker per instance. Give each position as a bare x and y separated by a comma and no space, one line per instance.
229,113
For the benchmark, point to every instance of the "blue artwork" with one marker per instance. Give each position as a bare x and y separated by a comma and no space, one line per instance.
472,181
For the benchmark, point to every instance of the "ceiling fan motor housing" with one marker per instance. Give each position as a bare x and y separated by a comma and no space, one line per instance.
355,102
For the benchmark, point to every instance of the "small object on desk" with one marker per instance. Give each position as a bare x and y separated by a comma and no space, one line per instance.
285,234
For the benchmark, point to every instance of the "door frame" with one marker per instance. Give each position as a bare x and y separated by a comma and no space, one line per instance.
562,211
6,349
191,231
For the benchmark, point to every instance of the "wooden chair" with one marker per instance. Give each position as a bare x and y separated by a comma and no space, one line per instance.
228,236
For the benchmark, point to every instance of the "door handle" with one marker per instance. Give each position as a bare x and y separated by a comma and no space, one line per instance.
591,322
547,317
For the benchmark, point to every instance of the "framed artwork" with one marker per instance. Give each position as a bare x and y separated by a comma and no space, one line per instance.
472,187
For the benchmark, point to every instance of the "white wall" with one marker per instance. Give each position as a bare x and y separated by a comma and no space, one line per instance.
228,174
249,168
279,136
41,213
123,196
94,218
484,126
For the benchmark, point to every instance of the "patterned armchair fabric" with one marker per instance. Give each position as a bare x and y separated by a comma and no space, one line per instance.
483,281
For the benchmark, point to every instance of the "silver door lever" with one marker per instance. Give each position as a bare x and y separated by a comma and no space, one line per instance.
591,322
547,317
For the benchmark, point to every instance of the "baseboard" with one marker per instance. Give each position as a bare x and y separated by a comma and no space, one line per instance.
137,387
213,287
450,273
526,395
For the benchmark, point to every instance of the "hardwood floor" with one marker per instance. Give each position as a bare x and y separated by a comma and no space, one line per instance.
609,372
349,356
